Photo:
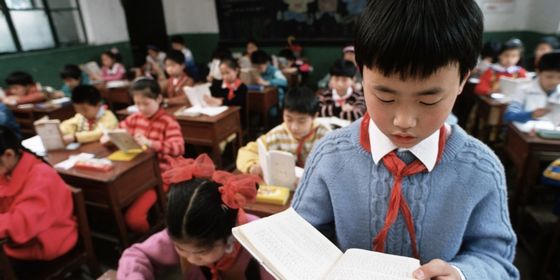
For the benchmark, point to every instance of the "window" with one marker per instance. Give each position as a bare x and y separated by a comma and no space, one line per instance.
40,24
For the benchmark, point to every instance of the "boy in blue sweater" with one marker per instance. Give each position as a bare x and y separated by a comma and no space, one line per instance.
269,75
399,180
530,102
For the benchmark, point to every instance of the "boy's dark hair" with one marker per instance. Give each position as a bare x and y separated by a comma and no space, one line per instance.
252,41
287,53
196,214
71,71
551,41
550,62
491,48
19,78
343,68
86,94
152,47
230,63
9,141
147,87
177,39
197,72
415,38
260,57
512,44
301,100
175,56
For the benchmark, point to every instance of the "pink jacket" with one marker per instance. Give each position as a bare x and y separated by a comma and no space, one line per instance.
141,260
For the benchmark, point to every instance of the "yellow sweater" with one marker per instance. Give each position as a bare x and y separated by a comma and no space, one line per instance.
79,126
278,139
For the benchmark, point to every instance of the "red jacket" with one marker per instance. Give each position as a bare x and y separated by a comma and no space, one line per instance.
33,95
162,129
36,212
490,79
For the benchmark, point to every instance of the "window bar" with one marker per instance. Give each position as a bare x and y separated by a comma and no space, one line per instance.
54,32
8,16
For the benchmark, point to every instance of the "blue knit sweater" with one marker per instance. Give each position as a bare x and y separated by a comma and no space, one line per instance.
459,208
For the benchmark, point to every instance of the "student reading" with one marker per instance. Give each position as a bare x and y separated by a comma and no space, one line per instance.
399,180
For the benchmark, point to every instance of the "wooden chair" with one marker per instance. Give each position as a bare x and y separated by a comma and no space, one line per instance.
71,262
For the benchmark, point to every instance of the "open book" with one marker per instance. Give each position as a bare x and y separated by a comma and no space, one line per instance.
49,132
291,248
509,86
123,140
91,68
279,167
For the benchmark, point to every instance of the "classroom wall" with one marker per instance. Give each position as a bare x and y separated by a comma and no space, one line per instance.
190,16
104,21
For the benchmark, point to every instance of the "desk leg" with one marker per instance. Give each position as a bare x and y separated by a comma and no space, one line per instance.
217,154
119,219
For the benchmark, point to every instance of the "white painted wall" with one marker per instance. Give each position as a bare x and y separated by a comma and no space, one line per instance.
104,21
527,15
190,16
544,16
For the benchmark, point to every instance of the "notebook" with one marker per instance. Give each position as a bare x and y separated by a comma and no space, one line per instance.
279,167
49,132
123,140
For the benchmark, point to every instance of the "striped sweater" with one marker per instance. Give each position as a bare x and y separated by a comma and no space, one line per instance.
280,139
332,107
162,129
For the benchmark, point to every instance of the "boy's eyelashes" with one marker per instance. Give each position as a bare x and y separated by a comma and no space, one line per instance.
429,103
421,102
384,100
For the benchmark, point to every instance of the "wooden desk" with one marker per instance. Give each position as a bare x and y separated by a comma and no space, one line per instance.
207,131
116,189
117,95
526,152
26,116
262,101
489,118
265,209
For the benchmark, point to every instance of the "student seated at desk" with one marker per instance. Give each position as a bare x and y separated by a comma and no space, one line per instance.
229,91
204,205
268,74
173,93
72,76
347,54
297,135
111,69
529,102
91,117
22,89
8,120
35,204
509,56
152,127
545,45
399,180
178,44
341,100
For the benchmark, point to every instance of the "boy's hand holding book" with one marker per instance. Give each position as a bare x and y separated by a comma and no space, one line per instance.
142,140
437,269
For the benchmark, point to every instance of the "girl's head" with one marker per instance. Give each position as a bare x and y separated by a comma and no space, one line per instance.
229,69
108,58
545,45
197,74
146,95
152,51
201,211
251,47
174,63
490,50
10,150
510,53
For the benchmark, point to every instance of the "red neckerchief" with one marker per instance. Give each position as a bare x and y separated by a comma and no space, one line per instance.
174,89
397,201
301,144
232,87
229,259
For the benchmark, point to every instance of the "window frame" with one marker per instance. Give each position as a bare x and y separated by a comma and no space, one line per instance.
48,12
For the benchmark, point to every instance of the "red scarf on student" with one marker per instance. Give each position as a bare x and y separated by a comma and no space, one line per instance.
175,88
397,201
229,259
301,143
231,88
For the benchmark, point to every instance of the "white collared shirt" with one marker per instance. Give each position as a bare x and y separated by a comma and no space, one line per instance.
337,97
426,151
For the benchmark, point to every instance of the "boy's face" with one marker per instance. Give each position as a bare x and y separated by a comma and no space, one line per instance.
509,58
408,111
176,46
87,110
200,256
341,84
173,68
549,80
261,68
298,124
542,49
8,161
18,90
146,106
71,82
228,74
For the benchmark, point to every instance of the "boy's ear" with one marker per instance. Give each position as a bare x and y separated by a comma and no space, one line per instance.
464,82
159,98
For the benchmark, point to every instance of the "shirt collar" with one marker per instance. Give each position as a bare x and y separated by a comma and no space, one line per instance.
499,68
426,151
337,97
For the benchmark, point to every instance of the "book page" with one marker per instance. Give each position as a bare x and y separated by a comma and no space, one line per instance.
361,264
263,161
196,94
288,246
49,132
123,140
282,169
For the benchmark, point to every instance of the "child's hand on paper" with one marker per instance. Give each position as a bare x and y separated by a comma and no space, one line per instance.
540,112
69,138
437,269
255,169
142,140
212,101
105,139
262,81
10,100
